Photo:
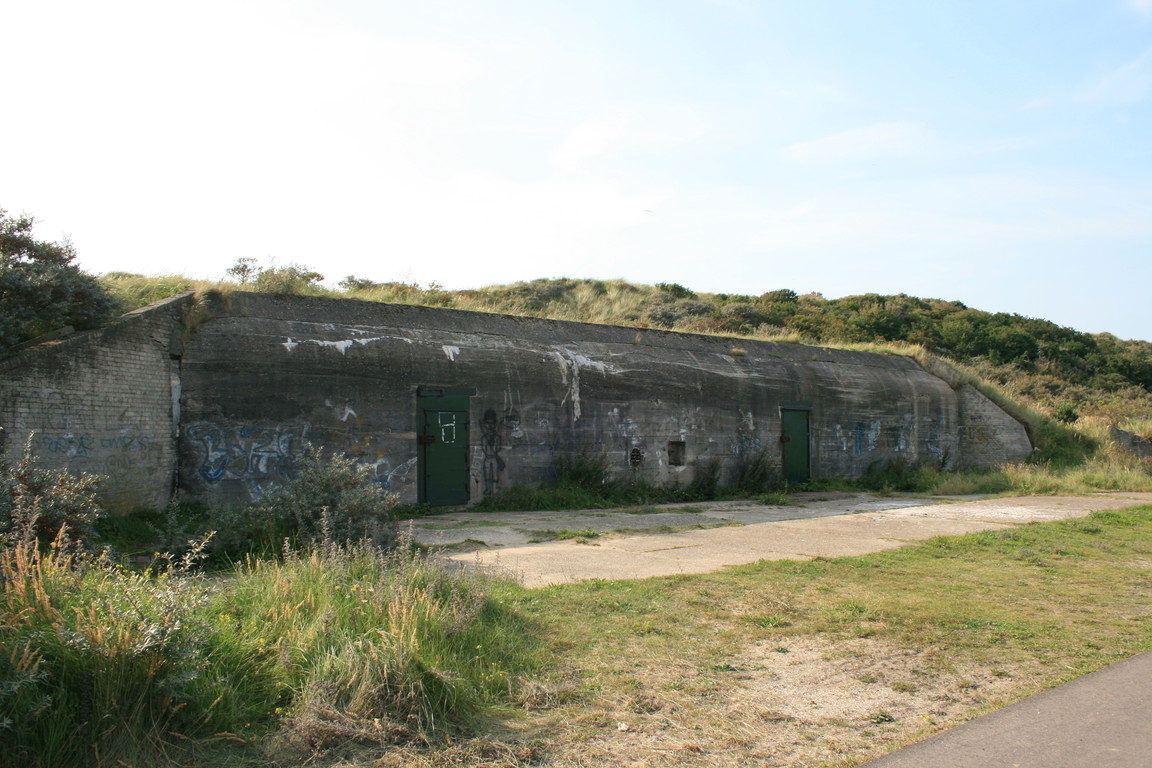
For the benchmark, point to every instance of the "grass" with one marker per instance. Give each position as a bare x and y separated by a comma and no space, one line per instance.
582,536
1032,606
342,647
351,652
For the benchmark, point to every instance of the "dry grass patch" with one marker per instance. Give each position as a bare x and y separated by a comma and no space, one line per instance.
825,662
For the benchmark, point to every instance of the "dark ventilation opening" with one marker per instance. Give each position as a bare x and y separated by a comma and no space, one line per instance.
675,453
636,457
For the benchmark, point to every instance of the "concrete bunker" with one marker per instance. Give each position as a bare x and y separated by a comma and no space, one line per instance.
217,396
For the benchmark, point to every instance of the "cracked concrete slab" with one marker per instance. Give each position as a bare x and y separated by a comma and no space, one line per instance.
820,525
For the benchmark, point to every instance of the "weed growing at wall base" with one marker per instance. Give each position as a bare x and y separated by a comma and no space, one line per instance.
583,481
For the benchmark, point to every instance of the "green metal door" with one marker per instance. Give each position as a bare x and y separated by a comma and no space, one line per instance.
794,440
443,440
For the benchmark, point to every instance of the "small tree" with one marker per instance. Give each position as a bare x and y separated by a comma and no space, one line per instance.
41,290
289,279
243,270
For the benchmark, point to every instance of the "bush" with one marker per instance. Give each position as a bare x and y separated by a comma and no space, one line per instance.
584,470
330,497
45,505
667,313
757,473
747,316
1065,413
676,291
705,483
899,476
289,279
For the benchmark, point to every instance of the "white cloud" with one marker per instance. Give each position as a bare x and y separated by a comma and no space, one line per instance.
1127,84
880,140
1141,6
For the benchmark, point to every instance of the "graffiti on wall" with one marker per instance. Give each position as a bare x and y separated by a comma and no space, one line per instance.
490,444
80,446
258,457
864,438
71,430
748,442
263,456
496,431
384,474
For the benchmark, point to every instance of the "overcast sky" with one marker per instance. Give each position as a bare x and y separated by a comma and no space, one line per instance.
995,152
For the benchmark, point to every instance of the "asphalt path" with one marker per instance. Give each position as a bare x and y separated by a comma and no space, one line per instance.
1101,720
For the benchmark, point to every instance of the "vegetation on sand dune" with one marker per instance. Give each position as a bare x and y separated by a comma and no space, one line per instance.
1065,373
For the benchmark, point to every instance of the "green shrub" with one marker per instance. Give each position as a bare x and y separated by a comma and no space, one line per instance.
898,475
705,483
585,470
38,504
330,497
1065,412
289,279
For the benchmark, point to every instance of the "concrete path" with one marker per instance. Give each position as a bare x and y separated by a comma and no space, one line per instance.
706,537
1102,720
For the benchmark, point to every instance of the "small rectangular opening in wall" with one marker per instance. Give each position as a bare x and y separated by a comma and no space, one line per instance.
676,453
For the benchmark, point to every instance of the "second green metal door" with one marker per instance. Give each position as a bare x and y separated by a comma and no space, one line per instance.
794,441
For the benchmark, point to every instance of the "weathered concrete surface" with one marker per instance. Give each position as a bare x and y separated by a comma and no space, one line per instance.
850,524
269,373
218,395
468,529
1100,720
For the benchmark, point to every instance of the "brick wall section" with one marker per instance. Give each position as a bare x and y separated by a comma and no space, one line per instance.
988,435
101,401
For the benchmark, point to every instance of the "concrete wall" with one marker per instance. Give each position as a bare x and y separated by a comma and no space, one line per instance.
271,373
221,395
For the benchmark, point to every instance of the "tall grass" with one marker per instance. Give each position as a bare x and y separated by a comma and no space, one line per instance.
347,645
136,291
98,663
373,646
